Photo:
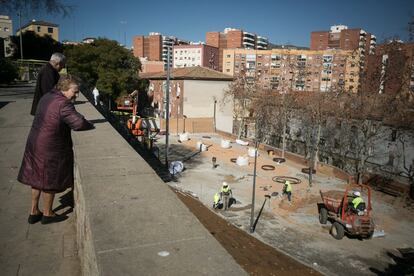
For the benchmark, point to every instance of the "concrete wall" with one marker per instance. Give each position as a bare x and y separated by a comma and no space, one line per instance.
127,216
199,102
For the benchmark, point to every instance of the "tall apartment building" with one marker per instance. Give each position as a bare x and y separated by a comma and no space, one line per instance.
41,28
340,37
196,55
298,70
235,38
155,47
390,70
6,30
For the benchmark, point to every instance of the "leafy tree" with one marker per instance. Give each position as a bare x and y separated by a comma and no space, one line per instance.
106,64
50,6
35,46
8,71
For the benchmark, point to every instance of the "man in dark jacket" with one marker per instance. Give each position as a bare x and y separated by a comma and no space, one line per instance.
47,164
48,78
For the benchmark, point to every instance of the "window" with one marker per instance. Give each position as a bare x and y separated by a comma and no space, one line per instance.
6,29
38,28
50,30
228,56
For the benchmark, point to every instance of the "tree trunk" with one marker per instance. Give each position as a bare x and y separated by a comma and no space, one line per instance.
283,140
240,128
361,170
316,153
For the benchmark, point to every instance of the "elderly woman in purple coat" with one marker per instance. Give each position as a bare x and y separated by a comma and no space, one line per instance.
47,164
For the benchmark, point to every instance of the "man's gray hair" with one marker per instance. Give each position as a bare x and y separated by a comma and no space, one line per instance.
58,58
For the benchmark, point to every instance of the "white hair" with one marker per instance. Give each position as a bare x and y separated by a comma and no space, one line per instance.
58,58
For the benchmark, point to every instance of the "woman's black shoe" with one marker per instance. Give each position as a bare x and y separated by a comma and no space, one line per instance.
53,219
32,219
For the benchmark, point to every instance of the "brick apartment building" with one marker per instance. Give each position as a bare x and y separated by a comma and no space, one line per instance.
298,70
196,55
235,38
154,47
340,37
391,70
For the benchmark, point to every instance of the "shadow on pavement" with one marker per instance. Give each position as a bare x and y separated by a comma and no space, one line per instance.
66,200
98,121
160,169
3,104
403,264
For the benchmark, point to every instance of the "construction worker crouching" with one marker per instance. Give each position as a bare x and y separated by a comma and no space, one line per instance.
225,195
217,203
287,189
357,204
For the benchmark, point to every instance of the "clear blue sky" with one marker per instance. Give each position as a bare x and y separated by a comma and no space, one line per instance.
281,21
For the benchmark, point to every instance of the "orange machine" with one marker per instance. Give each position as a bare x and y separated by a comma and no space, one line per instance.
145,128
125,103
336,209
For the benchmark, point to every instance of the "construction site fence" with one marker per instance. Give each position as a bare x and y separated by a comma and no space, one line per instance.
29,69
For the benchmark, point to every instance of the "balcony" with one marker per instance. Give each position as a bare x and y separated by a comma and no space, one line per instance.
248,45
245,38
246,34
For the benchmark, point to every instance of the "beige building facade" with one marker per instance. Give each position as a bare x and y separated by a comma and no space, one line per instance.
297,70
196,99
6,30
41,28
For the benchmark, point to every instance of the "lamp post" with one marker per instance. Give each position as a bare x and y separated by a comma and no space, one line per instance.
20,33
177,103
124,22
254,189
184,117
214,115
167,107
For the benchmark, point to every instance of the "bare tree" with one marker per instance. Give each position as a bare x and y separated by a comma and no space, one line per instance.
242,91
408,167
410,29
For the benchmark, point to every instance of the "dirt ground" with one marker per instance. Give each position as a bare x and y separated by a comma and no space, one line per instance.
254,256
293,229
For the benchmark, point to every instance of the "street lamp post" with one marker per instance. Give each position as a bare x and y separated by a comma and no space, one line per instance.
21,40
167,107
214,115
123,22
254,189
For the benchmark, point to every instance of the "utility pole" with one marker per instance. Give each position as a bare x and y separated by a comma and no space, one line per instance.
254,189
21,40
123,23
167,107
214,115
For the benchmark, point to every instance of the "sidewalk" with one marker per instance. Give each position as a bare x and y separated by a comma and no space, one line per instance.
126,220
27,249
